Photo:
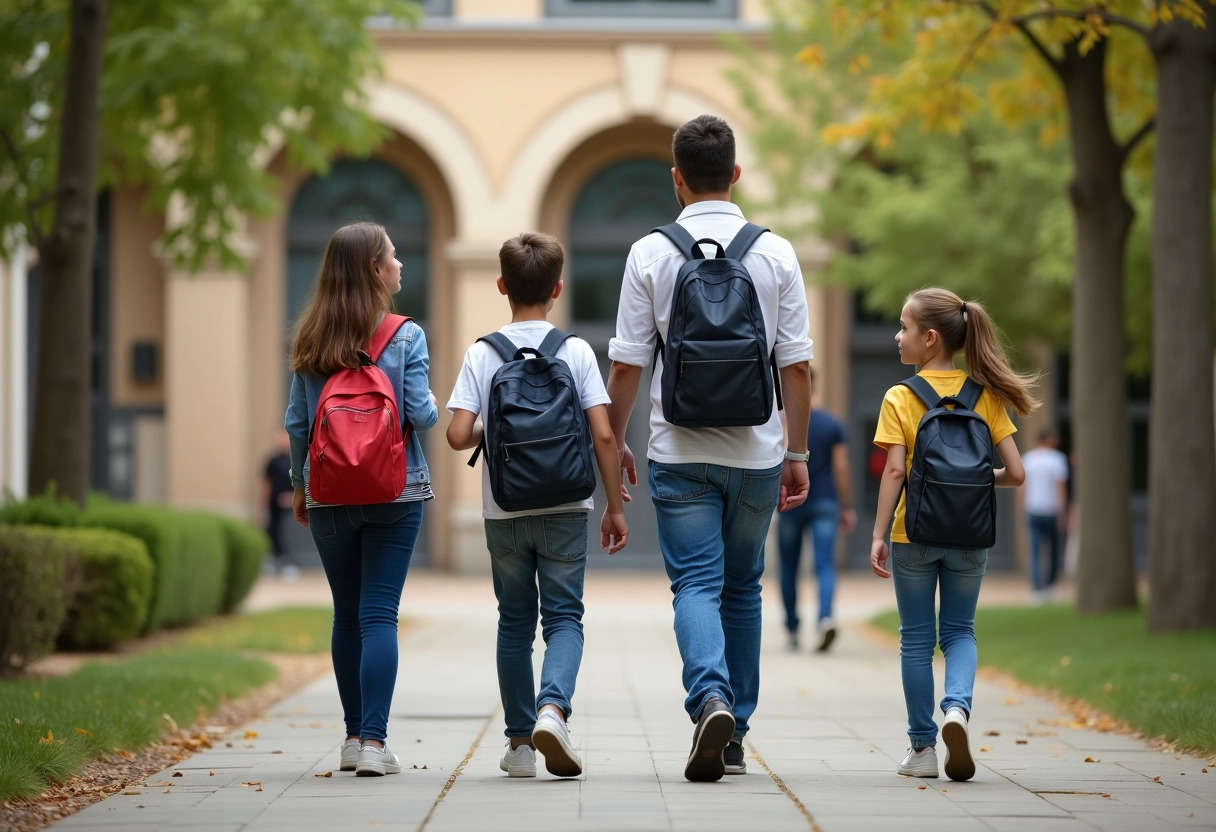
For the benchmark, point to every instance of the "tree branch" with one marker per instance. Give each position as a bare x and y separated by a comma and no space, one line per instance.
1109,17
1044,53
32,204
1141,133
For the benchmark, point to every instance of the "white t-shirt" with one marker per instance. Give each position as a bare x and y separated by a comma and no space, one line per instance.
472,393
645,312
1045,467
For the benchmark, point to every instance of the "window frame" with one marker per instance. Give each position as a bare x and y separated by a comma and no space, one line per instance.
709,9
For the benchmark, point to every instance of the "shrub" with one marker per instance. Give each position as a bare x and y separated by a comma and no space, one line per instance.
37,580
247,547
162,537
204,566
44,510
115,589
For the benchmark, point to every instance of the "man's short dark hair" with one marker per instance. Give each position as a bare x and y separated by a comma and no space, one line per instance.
531,265
704,153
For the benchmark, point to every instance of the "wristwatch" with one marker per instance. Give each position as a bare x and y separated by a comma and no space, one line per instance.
795,457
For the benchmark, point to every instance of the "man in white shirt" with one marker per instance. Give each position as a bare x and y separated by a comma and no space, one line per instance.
714,489
1045,497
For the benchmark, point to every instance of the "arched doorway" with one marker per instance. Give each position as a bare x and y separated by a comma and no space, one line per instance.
617,205
355,190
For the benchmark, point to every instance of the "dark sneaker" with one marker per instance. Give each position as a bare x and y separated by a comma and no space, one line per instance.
732,758
709,738
827,634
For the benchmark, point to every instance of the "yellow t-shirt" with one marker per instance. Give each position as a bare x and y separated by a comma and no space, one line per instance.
902,410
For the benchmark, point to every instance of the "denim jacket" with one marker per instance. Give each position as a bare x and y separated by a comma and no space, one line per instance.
407,364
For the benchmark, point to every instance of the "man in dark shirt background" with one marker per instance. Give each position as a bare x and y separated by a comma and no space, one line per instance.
828,507
276,497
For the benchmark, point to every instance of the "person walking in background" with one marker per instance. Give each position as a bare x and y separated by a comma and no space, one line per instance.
1045,499
827,508
277,492
714,488
934,326
365,546
543,546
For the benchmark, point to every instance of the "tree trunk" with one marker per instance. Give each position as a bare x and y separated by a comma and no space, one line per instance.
60,448
1098,396
1182,451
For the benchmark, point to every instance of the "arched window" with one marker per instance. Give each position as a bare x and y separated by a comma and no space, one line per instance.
355,190
616,207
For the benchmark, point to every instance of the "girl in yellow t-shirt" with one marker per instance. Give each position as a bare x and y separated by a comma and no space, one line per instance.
934,326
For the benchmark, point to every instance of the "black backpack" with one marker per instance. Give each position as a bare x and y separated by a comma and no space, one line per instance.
537,441
951,489
717,370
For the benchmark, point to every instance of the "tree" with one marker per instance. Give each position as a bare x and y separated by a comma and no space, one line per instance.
1067,62
184,97
1182,467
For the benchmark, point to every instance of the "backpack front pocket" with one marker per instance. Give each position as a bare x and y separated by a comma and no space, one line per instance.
540,470
721,382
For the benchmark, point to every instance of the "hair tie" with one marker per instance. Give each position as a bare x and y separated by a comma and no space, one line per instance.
964,308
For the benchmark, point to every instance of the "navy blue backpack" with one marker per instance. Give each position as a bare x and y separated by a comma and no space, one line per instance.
537,440
717,369
951,489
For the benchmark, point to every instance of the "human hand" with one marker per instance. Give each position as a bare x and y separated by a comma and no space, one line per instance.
614,532
878,558
795,484
299,507
629,471
848,520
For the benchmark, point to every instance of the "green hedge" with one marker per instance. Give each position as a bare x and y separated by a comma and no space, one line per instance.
38,577
247,548
115,590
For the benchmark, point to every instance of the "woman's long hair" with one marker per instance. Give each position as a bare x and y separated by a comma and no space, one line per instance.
964,325
346,305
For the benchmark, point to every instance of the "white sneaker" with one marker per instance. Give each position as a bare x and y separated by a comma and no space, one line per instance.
919,763
827,633
350,755
552,738
518,762
958,764
376,762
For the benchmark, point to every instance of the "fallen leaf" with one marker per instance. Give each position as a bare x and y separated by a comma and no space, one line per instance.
210,773
228,745
1106,795
249,735
326,774
992,733
1091,760
83,732
167,791
178,774
171,722
1205,771
1065,661
1021,741
985,748
424,768
922,786
276,752
1157,779
258,789
252,783
131,791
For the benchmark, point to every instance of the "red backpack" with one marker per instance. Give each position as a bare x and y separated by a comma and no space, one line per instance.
356,452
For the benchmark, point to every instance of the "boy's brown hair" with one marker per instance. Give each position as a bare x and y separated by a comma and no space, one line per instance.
531,265
703,151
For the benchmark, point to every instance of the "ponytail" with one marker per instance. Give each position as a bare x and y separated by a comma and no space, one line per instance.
966,326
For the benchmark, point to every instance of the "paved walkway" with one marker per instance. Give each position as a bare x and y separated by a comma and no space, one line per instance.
821,755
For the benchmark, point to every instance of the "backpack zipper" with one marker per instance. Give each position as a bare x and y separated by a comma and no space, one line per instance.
349,409
507,446
684,361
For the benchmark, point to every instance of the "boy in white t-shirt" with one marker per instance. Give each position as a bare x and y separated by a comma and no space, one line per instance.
1045,498
538,557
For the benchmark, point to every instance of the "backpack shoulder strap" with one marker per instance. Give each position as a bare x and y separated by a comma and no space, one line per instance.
552,341
924,390
384,333
969,396
501,344
744,240
679,235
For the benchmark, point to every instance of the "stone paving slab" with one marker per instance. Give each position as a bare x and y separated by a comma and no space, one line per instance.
821,755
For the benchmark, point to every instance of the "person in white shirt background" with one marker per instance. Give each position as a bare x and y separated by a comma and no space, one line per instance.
1045,499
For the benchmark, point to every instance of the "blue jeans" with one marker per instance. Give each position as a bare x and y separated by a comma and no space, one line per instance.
366,552
1044,526
918,572
538,560
823,518
712,523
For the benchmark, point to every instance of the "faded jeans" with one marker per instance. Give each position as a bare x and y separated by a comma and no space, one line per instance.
538,562
823,518
712,523
366,553
918,572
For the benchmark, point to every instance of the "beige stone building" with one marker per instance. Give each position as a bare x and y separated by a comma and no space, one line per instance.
503,116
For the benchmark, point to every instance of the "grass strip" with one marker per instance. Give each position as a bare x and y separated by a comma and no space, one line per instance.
49,728
285,630
1161,684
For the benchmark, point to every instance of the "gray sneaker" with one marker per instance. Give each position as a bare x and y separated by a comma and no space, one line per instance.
350,755
712,734
552,739
733,759
376,762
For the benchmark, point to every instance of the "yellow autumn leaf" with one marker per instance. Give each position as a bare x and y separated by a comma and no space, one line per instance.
249,735
812,56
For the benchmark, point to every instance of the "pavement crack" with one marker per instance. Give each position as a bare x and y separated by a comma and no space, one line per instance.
797,801
447,787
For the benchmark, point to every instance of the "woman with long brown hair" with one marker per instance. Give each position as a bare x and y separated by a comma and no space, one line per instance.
365,548
936,325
